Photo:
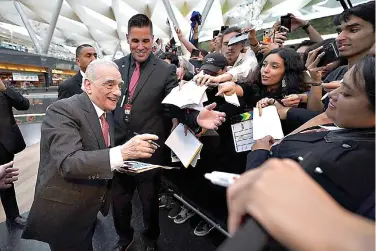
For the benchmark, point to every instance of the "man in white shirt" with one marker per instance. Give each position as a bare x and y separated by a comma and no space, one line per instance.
241,61
85,54
78,160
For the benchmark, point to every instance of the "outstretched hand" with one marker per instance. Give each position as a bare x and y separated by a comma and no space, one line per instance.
210,119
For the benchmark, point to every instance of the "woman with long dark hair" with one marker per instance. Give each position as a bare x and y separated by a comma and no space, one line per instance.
279,76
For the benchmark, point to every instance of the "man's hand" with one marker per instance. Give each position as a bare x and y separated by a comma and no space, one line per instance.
292,100
265,143
227,88
2,86
210,119
280,38
296,23
8,175
139,147
205,79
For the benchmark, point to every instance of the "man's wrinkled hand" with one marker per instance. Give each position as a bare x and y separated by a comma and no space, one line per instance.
139,147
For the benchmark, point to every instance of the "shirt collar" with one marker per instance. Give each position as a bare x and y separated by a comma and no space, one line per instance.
98,110
133,61
239,61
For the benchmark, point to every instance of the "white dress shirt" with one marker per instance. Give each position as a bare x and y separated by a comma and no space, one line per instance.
83,80
244,66
116,158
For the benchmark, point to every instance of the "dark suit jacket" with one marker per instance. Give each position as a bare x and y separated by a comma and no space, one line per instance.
74,171
157,79
11,140
70,86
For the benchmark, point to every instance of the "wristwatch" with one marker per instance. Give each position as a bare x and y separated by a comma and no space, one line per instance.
306,25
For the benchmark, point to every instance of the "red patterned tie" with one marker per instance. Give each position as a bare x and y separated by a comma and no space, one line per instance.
134,80
105,129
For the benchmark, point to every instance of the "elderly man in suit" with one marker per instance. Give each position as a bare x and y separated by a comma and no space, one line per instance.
77,162
85,54
11,142
147,81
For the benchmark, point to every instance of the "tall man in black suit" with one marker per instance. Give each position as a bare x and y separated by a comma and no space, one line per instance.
11,142
147,81
77,162
85,54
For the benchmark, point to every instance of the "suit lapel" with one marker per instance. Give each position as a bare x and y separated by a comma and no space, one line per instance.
123,68
145,74
78,80
92,119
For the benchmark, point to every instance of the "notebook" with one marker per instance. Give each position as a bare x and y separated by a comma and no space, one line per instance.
186,147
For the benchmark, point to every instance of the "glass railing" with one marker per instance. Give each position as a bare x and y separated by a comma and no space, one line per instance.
39,102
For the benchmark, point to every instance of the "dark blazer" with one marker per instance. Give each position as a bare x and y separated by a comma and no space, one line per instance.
73,175
70,86
346,159
11,139
148,114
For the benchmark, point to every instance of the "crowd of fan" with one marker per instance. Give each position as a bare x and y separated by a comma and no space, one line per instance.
295,79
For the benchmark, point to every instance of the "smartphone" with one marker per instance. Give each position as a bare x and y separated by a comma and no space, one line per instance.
268,36
172,42
286,22
223,28
195,53
331,54
215,33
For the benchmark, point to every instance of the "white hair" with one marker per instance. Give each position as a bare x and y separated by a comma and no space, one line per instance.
92,67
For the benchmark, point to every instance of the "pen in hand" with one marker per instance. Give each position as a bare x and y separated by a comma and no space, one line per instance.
150,141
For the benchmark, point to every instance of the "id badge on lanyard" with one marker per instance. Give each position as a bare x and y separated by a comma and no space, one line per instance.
127,110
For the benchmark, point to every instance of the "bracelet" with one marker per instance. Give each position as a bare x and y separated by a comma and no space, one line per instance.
253,45
315,84
305,27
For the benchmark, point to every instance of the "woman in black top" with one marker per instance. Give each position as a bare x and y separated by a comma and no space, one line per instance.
279,76
345,152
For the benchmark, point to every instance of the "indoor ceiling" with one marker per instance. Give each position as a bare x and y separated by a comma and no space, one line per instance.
103,23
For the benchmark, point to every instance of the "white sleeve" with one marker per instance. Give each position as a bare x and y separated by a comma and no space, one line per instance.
116,158
241,72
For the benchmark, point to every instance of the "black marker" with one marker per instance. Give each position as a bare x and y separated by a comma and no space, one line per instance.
150,141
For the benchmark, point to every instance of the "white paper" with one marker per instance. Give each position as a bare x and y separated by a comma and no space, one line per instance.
268,124
242,134
189,94
232,99
186,147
